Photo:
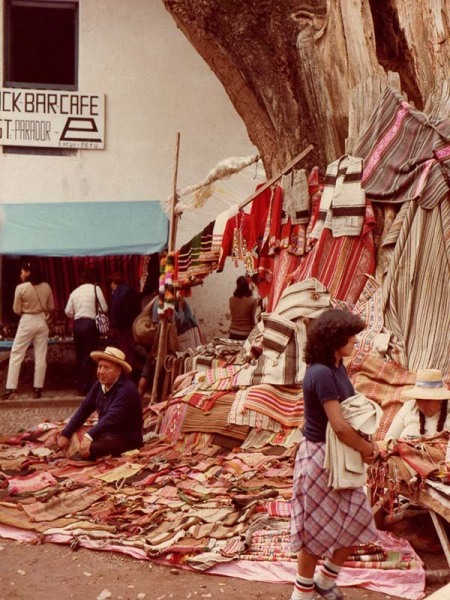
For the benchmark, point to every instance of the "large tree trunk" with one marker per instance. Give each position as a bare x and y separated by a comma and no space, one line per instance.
297,70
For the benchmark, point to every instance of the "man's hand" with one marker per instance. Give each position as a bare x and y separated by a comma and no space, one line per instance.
85,447
63,442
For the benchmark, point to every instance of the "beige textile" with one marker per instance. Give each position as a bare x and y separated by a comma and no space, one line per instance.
416,290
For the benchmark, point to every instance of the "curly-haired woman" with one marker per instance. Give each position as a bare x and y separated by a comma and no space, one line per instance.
327,522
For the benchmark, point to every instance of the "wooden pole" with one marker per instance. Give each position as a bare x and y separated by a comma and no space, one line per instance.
173,217
162,339
287,168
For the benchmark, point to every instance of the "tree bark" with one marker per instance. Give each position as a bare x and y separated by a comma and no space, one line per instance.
303,72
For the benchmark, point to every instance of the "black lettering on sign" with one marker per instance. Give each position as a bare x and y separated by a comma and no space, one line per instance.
78,129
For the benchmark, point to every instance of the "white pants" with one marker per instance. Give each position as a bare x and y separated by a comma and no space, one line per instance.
32,328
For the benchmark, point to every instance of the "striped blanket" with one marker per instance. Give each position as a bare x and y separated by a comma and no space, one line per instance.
407,158
406,153
283,403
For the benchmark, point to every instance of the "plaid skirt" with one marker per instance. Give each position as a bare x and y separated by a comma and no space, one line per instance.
323,519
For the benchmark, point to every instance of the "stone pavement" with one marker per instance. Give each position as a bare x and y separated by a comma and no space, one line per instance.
25,412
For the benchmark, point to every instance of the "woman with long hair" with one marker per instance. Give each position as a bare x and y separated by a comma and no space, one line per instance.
325,521
33,301
242,310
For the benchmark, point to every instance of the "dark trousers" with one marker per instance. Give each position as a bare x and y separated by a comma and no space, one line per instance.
111,444
86,339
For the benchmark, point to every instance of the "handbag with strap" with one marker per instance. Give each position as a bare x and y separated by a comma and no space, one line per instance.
101,318
48,314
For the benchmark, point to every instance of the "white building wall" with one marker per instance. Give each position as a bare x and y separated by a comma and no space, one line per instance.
155,85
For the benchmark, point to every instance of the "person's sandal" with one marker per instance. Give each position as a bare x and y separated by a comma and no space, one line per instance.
332,593
37,392
9,395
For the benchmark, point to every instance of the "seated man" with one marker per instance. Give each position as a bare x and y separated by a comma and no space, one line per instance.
116,399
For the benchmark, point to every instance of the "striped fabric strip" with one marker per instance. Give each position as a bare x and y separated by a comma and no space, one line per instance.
419,263
277,333
406,153
241,416
281,403
343,199
341,264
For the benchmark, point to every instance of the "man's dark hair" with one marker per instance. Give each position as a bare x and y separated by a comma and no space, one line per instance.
329,332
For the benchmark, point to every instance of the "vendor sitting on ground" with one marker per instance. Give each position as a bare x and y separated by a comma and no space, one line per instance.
116,400
427,413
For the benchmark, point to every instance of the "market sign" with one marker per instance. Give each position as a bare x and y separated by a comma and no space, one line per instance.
51,119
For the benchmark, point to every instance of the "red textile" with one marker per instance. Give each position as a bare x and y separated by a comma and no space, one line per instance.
341,264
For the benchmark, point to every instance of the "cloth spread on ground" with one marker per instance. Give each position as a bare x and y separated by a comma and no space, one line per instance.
213,510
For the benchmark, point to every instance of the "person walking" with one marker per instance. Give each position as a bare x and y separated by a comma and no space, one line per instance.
33,301
326,521
81,307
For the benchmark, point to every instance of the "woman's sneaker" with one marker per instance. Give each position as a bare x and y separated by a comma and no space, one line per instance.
332,593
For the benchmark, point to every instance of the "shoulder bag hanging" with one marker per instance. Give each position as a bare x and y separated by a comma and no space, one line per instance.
48,314
101,318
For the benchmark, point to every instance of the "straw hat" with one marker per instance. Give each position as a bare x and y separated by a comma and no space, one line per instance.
114,355
429,386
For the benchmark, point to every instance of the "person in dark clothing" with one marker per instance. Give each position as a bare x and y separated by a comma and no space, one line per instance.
125,307
116,399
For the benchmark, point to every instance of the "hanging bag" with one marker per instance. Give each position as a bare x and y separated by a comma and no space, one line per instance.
101,318
48,313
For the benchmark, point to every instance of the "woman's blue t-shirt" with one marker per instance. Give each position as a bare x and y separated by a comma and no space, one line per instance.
322,383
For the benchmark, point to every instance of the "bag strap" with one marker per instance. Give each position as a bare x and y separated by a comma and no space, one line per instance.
38,297
98,306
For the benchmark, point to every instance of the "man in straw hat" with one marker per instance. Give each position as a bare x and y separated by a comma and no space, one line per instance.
428,411
117,402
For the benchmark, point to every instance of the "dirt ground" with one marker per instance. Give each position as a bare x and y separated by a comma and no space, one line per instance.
51,572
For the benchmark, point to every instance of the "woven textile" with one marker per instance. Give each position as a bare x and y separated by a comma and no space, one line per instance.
283,335
282,403
406,153
407,157
342,204
173,420
415,317
239,415
214,420
63,504
341,264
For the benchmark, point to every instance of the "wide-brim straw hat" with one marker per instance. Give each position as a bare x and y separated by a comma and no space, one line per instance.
428,386
113,355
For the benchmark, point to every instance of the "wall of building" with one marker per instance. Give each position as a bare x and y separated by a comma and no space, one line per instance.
155,85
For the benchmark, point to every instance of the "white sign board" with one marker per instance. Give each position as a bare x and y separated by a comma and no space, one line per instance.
52,119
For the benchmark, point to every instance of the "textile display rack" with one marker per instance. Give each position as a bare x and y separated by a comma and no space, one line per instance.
162,339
